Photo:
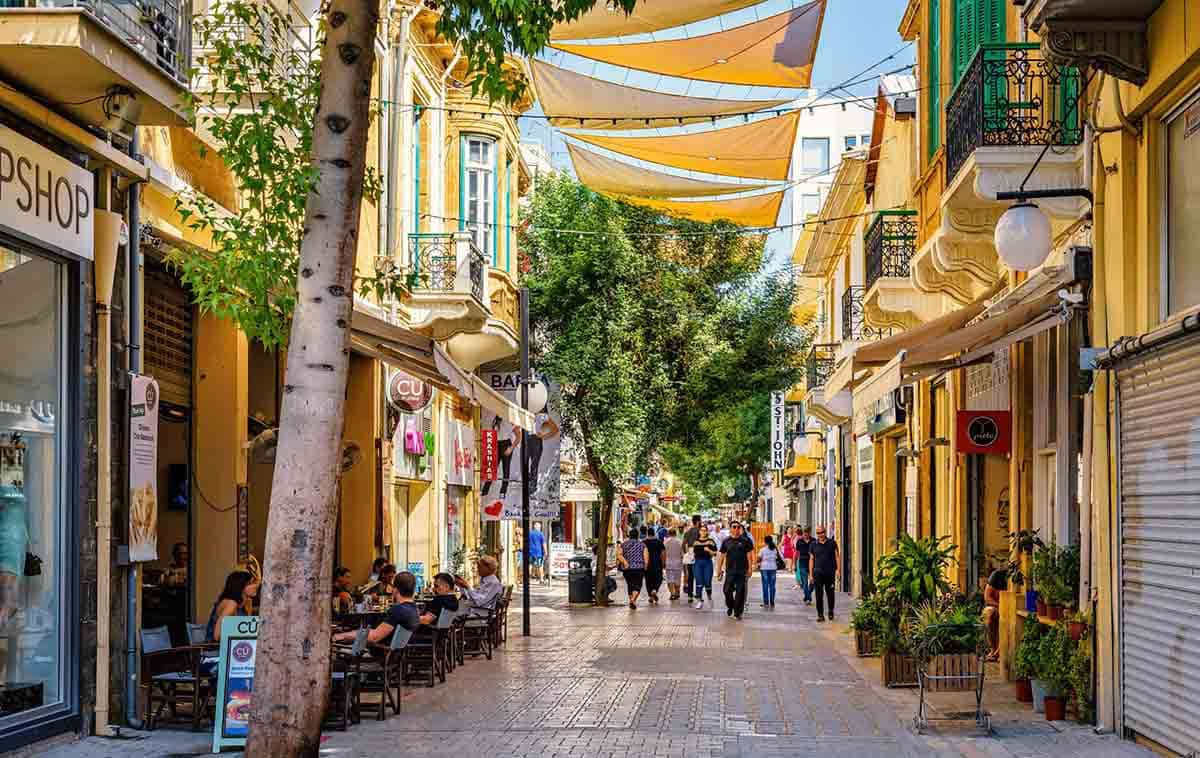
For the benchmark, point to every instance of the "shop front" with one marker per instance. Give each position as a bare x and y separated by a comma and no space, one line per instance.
409,457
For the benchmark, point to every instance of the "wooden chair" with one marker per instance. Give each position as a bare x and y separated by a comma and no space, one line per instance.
458,636
447,635
172,677
345,704
426,654
478,634
501,637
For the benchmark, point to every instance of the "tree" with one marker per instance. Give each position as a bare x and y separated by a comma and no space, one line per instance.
645,333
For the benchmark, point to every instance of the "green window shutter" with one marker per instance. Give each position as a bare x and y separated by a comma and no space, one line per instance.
495,203
966,36
992,21
462,182
508,197
417,169
933,63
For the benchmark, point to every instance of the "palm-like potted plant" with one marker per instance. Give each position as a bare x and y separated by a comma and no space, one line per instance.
948,639
910,576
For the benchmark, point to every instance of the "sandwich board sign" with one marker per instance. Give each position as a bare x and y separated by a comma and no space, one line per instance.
235,681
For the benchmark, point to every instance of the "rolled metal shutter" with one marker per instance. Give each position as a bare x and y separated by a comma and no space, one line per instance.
168,330
1159,481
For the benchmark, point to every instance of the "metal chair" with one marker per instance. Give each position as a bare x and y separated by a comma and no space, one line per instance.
345,704
197,634
172,677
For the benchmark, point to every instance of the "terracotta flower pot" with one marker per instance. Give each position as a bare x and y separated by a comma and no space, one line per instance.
1076,629
1024,691
1054,612
1041,607
1056,708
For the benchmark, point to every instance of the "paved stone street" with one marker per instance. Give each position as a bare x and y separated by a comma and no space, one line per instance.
670,681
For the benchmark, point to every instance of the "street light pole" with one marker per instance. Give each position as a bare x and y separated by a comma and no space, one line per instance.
524,307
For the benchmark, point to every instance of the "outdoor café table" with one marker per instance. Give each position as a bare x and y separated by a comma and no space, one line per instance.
368,618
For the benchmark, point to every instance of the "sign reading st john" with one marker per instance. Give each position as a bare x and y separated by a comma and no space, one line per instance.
778,432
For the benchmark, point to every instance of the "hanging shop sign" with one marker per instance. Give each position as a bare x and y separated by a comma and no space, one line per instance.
488,454
501,495
44,196
143,469
406,393
460,454
866,460
235,681
984,431
778,432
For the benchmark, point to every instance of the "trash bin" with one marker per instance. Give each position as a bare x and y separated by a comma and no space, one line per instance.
579,579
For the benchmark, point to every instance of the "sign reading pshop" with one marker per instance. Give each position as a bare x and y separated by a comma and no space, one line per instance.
44,196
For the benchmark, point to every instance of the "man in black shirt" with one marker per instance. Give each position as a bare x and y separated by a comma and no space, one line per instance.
736,553
824,565
803,543
689,538
403,613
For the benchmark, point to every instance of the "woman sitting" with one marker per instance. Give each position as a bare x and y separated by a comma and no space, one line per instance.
237,599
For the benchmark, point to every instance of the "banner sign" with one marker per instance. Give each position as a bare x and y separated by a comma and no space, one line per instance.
560,553
488,454
984,432
460,454
501,497
866,460
235,681
45,196
778,432
143,468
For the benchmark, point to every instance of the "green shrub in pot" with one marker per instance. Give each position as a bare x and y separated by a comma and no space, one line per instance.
916,569
1055,650
1025,657
944,628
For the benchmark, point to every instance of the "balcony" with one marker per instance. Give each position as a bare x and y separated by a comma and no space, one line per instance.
854,324
500,337
1012,97
836,408
279,45
107,63
892,301
448,285
891,241
819,364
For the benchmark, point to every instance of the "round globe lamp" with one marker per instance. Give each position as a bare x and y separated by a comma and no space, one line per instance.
1023,237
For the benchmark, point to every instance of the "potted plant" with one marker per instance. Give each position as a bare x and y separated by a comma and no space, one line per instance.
947,638
1025,659
1023,543
1080,679
1077,625
908,577
1054,670
866,621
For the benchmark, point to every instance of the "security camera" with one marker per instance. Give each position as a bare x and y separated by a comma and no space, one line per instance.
1071,298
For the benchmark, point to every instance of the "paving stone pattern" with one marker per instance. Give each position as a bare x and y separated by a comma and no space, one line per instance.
671,682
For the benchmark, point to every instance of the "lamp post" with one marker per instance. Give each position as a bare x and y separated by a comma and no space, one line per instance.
1023,235
524,307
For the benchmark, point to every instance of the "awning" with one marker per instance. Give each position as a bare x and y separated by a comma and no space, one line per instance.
571,99
982,338
753,211
801,466
757,150
408,351
605,174
868,394
493,401
602,21
776,52
879,353
580,493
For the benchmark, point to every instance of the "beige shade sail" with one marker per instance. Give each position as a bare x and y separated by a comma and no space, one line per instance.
758,150
755,211
775,52
648,16
571,99
604,174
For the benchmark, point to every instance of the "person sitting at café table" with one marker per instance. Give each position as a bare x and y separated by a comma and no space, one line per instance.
443,599
177,573
403,613
341,588
376,567
483,598
385,588
236,599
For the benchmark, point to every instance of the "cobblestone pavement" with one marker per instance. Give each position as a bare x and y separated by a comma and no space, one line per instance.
671,682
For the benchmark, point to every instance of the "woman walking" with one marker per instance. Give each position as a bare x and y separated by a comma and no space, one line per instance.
632,558
704,550
768,564
674,561
787,548
655,565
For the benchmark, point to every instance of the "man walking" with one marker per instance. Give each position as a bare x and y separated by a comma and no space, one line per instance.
823,566
537,554
689,538
735,554
803,550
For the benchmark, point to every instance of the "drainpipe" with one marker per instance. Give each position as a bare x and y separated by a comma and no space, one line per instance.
133,364
399,69
107,237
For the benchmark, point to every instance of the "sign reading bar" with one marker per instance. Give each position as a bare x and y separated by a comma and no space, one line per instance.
235,681
984,431
778,432
143,468
45,196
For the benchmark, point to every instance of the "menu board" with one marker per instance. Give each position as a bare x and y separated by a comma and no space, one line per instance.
235,681
143,468
560,555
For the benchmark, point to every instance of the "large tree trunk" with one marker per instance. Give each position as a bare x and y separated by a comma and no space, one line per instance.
606,517
292,675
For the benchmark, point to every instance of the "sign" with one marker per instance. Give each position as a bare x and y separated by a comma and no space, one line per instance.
413,444
488,454
243,523
778,432
235,681
143,468
460,454
560,553
46,197
984,432
407,393
866,460
501,497
910,499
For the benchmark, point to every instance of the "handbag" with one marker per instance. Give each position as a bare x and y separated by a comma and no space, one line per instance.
33,565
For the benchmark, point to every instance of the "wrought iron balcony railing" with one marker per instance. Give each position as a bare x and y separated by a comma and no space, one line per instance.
159,30
891,242
447,263
854,322
1011,96
820,363
286,41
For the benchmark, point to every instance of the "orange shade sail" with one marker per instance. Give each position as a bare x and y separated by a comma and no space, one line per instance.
775,52
758,150
754,211
648,16
605,174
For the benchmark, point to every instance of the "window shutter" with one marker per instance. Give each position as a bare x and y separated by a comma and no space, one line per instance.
992,21
966,35
462,183
933,63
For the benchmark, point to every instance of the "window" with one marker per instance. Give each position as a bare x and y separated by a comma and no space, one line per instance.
418,137
810,205
976,22
814,155
851,143
479,181
865,141
509,195
1181,262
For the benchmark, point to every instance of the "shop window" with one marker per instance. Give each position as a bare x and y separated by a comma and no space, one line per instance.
33,481
1181,267
814,152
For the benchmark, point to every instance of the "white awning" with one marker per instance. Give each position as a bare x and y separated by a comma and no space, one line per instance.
491,400
581,493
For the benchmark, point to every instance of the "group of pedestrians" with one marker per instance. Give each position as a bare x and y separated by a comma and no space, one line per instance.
689,560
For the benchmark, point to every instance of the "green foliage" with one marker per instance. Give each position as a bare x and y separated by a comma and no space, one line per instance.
1079,679
944,628
488,30
916,569
1021,543
871,613
1056,571
1054,653
256,102
1026,656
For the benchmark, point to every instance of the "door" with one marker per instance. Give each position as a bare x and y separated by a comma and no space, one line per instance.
975,556
846,538
867,531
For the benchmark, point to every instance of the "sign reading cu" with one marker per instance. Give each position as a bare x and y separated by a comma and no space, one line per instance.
407,393
984,431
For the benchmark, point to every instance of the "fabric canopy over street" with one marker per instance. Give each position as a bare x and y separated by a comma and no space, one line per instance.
754,211
491,400
572,99
647,17
605,174
774,52
758,150
408,351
